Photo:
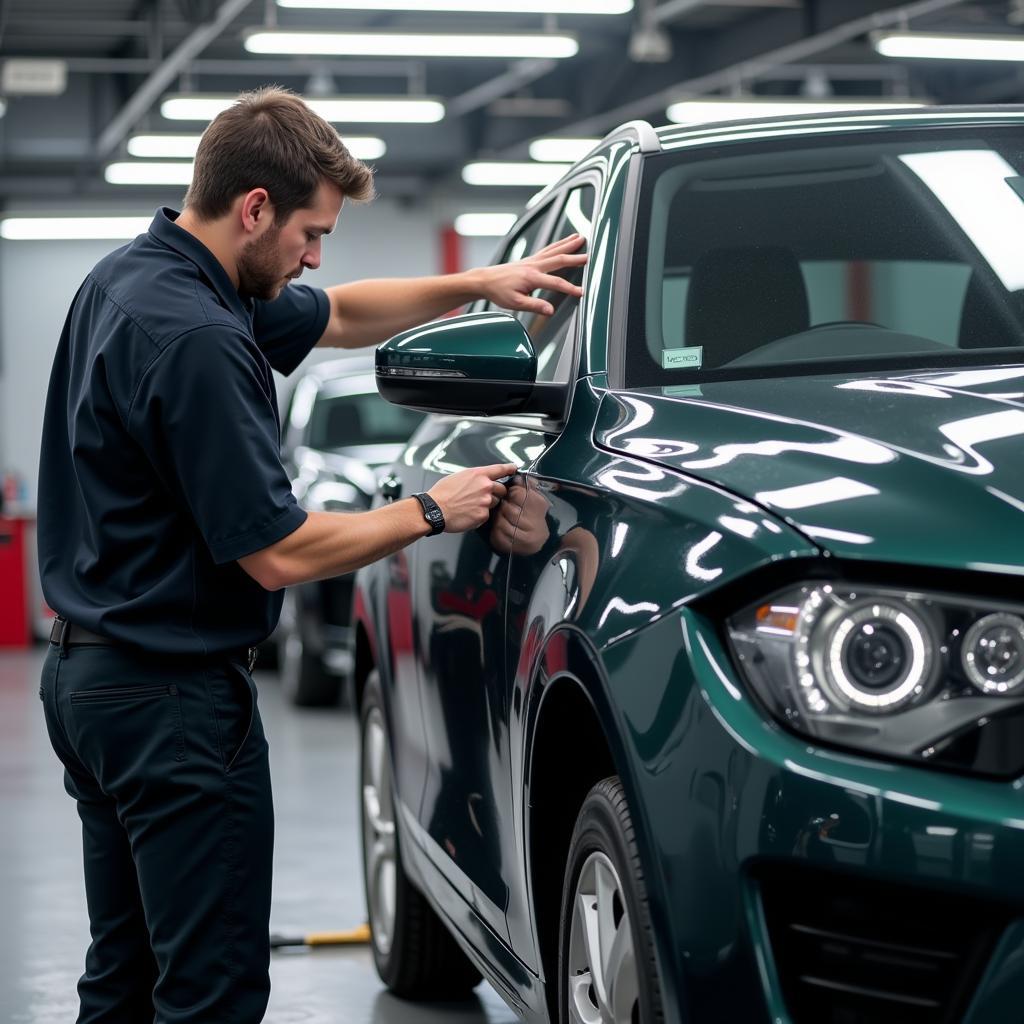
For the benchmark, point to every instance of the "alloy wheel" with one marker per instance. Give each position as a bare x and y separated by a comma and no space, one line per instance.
378,832
603,983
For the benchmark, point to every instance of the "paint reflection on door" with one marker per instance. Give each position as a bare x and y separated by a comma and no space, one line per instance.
460,592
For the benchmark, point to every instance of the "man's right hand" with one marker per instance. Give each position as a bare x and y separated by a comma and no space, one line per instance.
467,497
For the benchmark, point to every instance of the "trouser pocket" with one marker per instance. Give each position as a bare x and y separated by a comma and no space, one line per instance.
233,694
127,729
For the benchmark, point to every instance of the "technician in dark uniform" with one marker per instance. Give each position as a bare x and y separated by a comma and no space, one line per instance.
167,530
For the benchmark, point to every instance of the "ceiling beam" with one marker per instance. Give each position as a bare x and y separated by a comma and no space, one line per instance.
147,94
520,74
738,54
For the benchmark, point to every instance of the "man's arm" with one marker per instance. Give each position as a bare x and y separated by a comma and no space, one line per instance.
330,543
368,312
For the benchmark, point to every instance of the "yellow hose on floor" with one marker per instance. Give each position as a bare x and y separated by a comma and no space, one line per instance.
354,937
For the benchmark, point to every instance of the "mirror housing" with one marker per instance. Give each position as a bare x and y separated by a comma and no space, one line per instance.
479,364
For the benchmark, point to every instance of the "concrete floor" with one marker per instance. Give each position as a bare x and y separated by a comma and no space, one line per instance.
317,879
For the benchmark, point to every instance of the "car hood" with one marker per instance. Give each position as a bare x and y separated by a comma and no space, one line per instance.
925,469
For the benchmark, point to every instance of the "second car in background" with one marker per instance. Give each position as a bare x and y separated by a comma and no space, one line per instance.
339,438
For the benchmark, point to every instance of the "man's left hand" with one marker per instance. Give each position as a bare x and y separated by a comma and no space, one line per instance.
510,285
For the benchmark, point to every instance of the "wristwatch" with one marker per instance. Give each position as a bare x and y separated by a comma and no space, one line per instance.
432,513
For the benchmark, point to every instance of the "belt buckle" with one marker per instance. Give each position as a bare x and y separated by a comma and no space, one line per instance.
253,654
59,630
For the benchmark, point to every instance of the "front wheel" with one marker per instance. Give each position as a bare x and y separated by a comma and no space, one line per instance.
415,955
607,970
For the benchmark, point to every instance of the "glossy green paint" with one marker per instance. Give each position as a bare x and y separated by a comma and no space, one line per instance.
885,468
485,346
638,515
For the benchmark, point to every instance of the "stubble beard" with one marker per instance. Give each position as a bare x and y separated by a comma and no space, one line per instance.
259,267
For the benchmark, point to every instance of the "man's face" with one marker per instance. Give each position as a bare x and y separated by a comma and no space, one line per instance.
282,251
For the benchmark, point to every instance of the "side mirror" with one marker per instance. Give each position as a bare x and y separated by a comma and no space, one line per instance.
479,364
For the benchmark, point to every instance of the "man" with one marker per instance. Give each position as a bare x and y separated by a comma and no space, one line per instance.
167,530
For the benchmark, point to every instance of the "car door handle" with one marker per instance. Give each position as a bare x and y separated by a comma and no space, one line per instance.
390,487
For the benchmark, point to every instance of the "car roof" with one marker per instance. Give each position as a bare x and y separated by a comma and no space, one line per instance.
859,122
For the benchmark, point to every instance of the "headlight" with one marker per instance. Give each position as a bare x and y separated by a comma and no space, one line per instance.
892,672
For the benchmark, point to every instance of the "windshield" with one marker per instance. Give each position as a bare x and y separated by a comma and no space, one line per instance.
904,249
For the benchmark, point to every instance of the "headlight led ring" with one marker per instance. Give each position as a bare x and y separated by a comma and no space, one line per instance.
993,653
878,655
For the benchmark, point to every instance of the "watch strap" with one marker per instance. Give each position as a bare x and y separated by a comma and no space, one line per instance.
432,513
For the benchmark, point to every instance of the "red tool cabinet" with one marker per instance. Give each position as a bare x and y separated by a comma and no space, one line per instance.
15,624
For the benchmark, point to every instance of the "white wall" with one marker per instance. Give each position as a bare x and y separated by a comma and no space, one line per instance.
39,279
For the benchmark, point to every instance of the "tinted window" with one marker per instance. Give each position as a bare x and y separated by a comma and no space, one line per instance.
825,252
552,335
346,420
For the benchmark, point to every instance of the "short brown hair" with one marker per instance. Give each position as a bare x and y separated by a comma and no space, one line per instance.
271,139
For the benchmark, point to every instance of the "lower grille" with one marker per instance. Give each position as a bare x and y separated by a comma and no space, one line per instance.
853,951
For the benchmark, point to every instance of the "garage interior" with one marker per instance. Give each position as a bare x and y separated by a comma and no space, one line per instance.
95,134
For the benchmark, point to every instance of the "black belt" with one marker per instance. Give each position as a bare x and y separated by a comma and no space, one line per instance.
67,634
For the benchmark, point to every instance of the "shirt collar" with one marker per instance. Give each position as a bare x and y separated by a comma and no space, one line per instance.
181,241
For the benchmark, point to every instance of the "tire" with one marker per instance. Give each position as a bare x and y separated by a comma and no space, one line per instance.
304,681
415,955
604,864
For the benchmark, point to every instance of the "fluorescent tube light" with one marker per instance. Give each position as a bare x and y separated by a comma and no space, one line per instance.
362,147
148,173
484,225
163,145
702,111
469,6
336,109
393,44
515,174
948,47
558,151
27,229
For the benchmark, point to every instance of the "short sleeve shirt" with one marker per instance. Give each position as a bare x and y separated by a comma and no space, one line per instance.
160,463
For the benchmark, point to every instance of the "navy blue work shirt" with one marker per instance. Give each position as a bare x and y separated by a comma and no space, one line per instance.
160,462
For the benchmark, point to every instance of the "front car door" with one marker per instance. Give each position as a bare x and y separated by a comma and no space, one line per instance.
460,601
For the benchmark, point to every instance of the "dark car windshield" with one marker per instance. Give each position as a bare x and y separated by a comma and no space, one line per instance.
341,419
825,251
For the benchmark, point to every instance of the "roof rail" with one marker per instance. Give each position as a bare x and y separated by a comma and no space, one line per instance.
644,132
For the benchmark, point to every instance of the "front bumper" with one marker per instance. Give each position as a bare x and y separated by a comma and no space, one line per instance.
803,885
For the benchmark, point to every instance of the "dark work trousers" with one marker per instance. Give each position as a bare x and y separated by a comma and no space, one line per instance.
168,762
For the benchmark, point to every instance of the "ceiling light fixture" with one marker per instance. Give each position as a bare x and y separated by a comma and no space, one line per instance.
31,229
362,147
526,175
391,44
469,6
560,151
927,46
336,109
731,109
148,173
484,225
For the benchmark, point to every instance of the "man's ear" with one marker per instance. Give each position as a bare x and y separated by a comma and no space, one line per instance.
256,209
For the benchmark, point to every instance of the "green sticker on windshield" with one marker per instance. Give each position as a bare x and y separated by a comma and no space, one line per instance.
682,358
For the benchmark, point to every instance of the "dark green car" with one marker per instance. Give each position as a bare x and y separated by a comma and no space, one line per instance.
721,717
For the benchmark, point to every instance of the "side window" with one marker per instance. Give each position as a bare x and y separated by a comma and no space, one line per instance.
552,335
522,244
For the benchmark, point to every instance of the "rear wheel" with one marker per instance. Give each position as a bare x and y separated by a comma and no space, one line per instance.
304,680
414,953
607,971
